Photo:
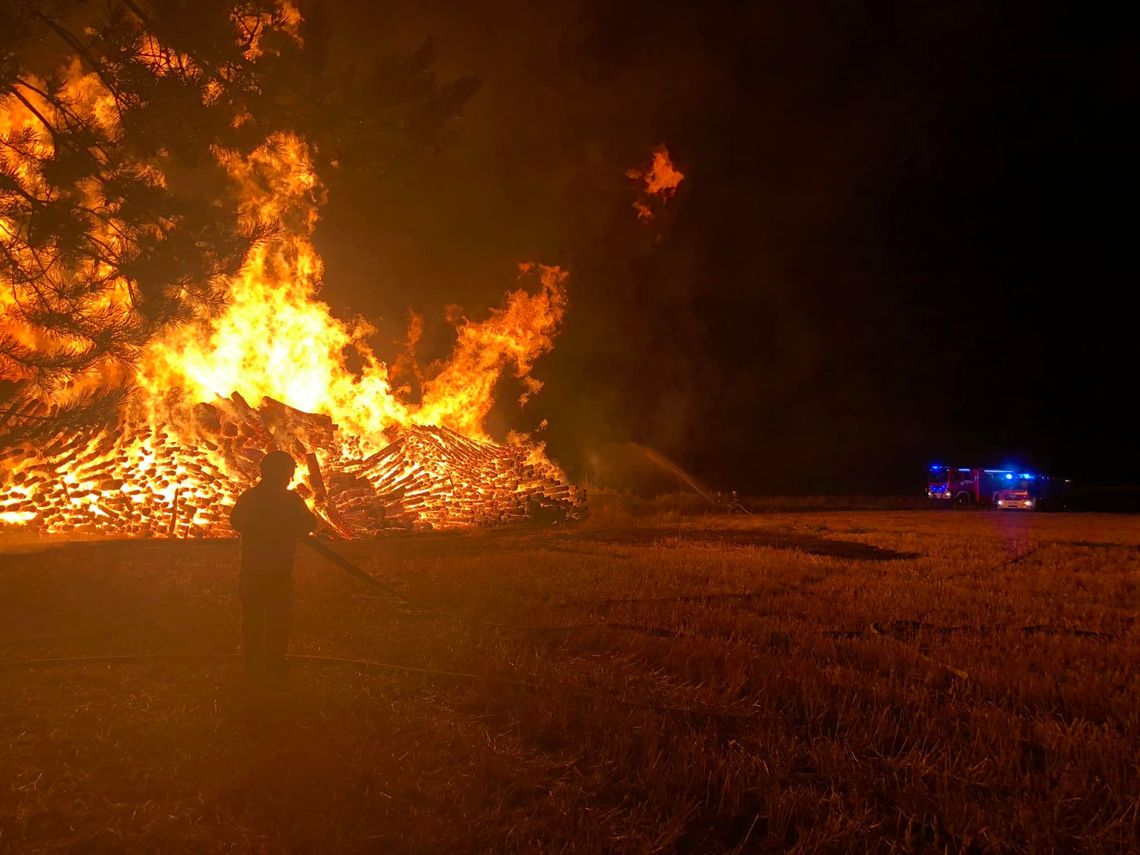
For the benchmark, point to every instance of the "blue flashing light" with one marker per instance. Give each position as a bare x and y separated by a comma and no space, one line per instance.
1008,476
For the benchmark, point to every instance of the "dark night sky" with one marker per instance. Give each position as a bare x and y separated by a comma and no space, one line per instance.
902,236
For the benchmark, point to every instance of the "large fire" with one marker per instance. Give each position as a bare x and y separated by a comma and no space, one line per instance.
269,370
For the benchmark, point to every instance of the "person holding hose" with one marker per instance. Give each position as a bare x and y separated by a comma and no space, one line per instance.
270,518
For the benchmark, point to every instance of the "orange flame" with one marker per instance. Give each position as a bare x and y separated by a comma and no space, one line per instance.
301,350
660,179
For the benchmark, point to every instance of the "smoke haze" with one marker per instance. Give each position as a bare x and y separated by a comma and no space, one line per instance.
882,253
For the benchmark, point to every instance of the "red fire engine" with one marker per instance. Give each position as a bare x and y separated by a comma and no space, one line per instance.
1007,489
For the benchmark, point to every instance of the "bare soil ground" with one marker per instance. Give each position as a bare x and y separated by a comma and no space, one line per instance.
809,682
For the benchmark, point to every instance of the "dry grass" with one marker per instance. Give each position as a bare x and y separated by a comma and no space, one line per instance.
810,682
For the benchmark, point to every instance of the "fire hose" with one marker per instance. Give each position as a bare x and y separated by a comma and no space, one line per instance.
374,665
876,629
322,549
348,567
370,665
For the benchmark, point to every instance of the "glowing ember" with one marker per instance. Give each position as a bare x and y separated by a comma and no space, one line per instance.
188,442
146,479
660,180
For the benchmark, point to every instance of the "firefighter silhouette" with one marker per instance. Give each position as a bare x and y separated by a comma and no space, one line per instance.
270,519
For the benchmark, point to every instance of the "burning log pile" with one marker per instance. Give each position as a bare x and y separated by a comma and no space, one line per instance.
143,477
168,465
434,477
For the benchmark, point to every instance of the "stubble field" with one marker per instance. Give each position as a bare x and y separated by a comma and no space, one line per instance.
811,682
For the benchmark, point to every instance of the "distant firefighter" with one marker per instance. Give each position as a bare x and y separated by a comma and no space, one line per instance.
270,518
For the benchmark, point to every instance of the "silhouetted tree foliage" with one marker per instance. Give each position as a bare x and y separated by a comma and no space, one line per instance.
97,254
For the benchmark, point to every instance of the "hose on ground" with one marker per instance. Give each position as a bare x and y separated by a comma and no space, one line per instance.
367,665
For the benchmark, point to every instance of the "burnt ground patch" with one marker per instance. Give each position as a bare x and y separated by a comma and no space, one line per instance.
811,544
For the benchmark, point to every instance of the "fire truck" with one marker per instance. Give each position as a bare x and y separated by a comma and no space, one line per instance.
1004,489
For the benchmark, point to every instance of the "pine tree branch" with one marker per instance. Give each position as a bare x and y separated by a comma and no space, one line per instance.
32,109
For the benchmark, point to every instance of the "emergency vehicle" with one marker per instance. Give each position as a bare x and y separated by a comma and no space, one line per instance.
1005,489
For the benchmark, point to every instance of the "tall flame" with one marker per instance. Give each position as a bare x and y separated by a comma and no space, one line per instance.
276,339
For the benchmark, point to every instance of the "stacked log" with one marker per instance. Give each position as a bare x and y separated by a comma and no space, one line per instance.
142,485
142,479
432,477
